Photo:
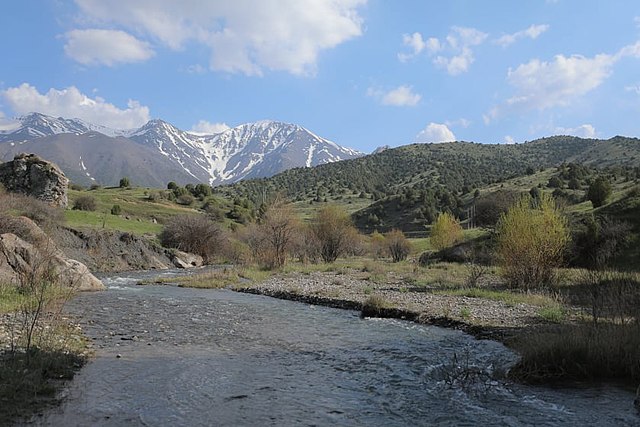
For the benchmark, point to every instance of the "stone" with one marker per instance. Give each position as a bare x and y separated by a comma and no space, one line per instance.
186,260
30,175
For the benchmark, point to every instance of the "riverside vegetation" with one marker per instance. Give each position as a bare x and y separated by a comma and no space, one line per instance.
571,311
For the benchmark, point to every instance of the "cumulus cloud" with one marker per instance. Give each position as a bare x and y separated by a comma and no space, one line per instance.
509,140
402,96
204,127
105,47
417,45
71,103
455,50
243,36
532,32
583,131
436,132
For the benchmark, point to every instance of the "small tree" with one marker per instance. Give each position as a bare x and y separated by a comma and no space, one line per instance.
332,228
277,227
599,191
532,238
397,245
116,210
124,182
445,232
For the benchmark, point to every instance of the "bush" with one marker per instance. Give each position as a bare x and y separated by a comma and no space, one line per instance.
277,230
85,203
397,245
332,228
531,240
599,191
185,200
194,234
124,182
116,210
47,217
445,232
489,208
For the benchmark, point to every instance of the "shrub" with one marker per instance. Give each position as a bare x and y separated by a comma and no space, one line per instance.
185,199
195,234
124,182
377,245
47,217
397,245
489,208
116,210
85,203
332,228
599,191
445,232
531,240
76,187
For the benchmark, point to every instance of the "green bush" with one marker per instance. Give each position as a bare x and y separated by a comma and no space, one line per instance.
85,203
116,210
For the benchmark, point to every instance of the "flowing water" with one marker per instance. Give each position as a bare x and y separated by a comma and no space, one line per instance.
186,357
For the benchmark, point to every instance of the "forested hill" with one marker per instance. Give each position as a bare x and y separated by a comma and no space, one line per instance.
451,168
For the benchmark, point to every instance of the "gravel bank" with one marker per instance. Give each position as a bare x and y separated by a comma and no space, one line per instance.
483,318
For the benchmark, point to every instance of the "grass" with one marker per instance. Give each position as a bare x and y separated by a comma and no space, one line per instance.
215,279
506,296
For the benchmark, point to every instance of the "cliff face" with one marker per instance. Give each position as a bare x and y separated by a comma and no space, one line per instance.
29,174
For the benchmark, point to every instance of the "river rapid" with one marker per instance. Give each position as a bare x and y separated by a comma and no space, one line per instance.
168,356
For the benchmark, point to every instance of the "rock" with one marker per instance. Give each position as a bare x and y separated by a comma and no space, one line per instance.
29,174
186,260
19,258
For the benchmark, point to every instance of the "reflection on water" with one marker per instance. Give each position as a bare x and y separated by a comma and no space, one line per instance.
173,356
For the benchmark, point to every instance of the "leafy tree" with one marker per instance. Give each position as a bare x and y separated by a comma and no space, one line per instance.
555,182
599,191
532,238
172,185
332,230
445,232
124,182
490,207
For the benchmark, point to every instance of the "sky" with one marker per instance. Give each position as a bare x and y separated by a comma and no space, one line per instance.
362,73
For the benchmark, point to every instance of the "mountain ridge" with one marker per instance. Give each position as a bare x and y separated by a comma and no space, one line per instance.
249,150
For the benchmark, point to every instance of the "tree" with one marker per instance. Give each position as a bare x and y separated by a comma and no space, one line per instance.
532,238
488,208
332,229
172,185
277,228
397,245
445,232
599,191
124,182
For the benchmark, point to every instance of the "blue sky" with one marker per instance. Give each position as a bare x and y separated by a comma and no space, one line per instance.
361,73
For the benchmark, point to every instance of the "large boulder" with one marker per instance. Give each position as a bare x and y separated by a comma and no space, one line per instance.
29,174
185,260
20,259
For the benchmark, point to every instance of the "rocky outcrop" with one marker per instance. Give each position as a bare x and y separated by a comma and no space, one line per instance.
110,251
20,260
29,174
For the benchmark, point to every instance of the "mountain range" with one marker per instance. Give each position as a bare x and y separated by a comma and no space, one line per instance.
159,152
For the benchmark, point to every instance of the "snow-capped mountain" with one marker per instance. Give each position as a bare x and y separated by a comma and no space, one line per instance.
252,150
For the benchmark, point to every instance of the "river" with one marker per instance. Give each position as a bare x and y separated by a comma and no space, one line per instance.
168,356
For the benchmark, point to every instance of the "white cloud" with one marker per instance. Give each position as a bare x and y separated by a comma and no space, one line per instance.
532,32
583,131
456,55
402,96
460,122
71,103
243,36
540,84
204,127
509,140
436,132
637,21
105,47
633,88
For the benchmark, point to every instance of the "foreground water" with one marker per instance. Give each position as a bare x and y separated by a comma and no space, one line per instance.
186,357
